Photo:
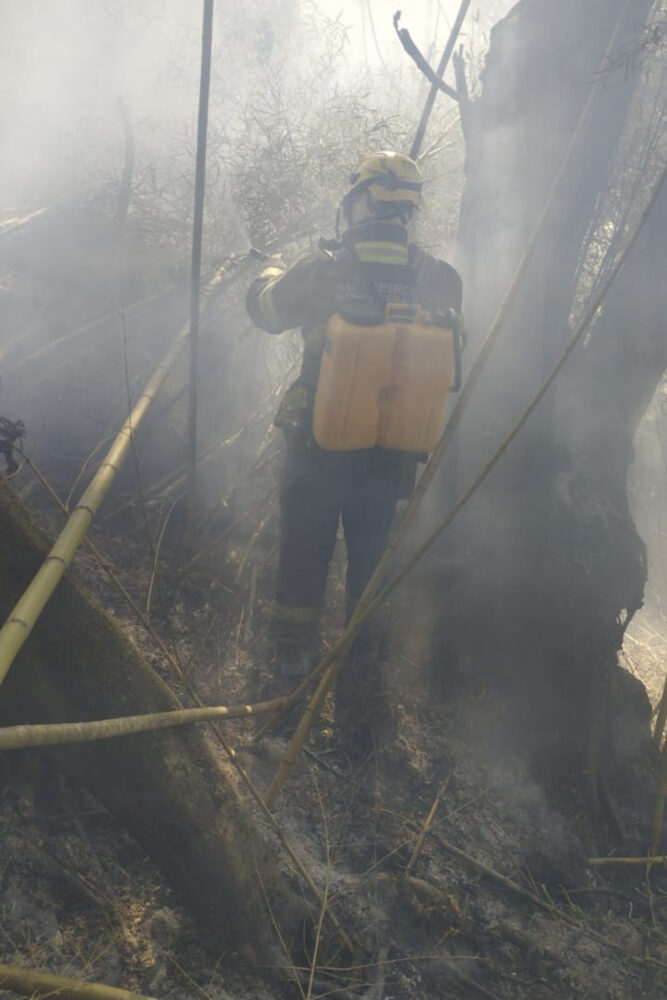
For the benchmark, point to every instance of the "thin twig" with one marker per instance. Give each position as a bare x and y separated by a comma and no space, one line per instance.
325,898
218,539
125,190
427,824
13,225
137,464
195,265
422,64
280,935
186,975
156,556
440,72
371,21
658,859
546,906
178,476
84,466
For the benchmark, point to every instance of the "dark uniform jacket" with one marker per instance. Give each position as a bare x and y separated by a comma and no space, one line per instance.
356,279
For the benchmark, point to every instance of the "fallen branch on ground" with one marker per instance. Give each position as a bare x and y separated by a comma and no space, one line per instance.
541,904
54,734
30,983
659,860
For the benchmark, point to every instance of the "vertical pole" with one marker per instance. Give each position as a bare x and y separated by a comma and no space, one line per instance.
442,66
195,271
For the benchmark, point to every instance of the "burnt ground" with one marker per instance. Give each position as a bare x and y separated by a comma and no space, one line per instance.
80,898
496,899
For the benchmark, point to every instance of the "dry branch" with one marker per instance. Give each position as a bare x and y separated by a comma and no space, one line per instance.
125,190
442,66
40,984
657,860
542,904
13,225
427,824
416,56
18,737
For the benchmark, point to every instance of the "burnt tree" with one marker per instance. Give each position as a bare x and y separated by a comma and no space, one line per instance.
550,566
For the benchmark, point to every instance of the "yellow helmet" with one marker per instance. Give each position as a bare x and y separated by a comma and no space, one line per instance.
387,176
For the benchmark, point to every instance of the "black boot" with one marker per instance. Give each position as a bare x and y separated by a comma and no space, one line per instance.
359,707
294,654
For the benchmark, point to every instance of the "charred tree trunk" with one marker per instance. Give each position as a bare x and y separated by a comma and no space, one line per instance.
167,787
551,565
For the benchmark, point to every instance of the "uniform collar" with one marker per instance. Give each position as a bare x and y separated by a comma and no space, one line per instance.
378,242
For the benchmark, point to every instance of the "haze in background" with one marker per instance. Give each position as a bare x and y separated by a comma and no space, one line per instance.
65,65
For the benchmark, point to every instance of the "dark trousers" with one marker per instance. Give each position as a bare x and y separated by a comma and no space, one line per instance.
319,488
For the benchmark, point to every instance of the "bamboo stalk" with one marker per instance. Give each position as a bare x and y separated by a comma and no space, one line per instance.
366,607
195,269
28,982
659,859
57,734
24,615
13,225
174,479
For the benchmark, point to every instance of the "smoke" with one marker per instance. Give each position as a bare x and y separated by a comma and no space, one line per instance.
276,167
66,66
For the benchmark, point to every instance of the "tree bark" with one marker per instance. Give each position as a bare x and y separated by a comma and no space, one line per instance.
549,562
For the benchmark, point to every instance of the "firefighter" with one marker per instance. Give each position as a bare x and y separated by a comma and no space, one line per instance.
347,456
